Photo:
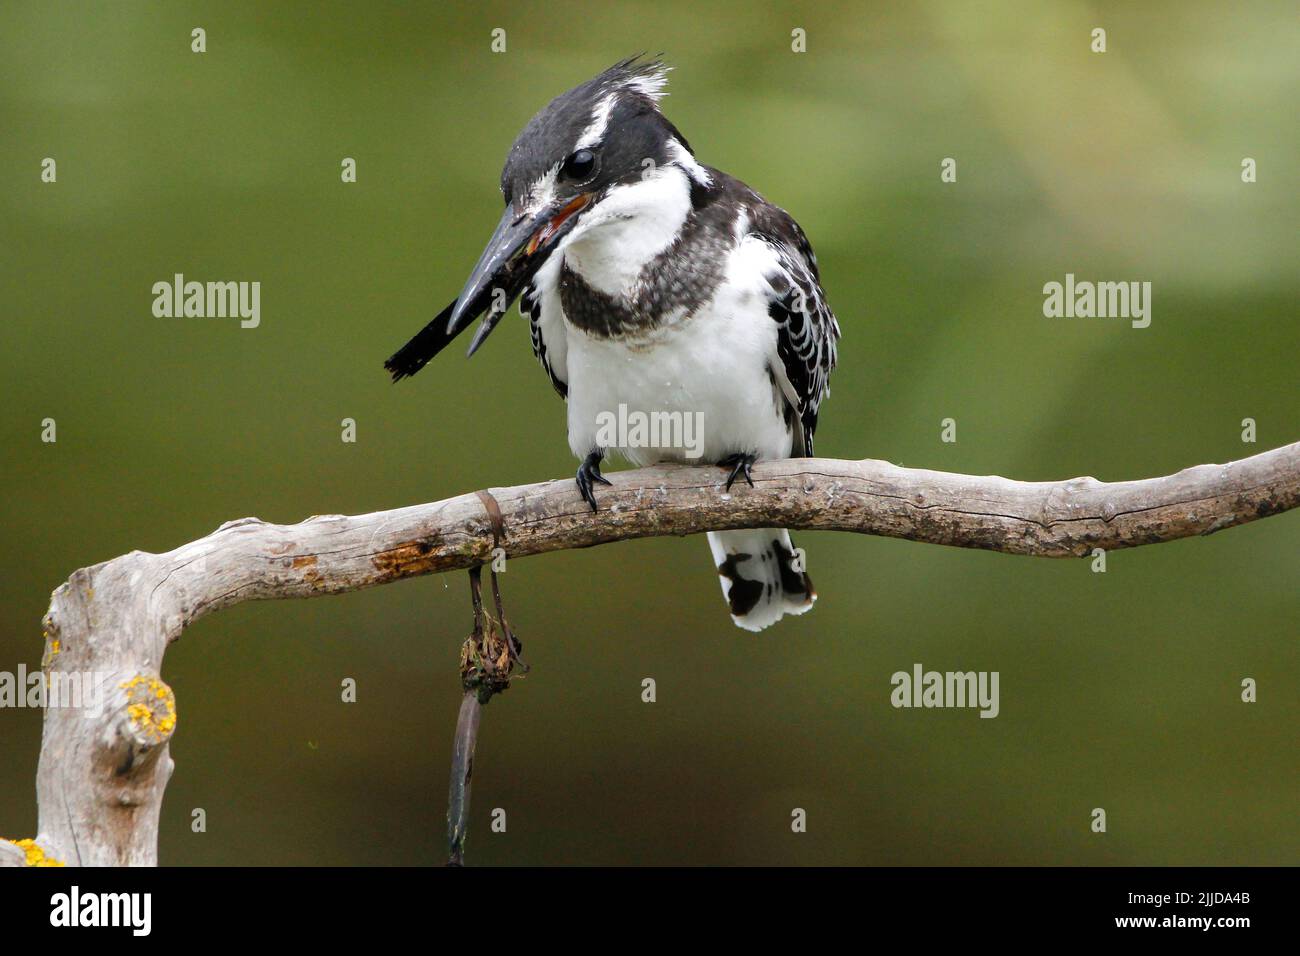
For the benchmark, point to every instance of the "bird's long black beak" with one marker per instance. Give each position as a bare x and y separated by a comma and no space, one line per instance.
502,258
518,248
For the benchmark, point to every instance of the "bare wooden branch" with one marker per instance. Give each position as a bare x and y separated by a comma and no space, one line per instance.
101,777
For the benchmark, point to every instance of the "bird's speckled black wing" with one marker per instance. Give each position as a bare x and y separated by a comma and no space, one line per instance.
807,331
531,306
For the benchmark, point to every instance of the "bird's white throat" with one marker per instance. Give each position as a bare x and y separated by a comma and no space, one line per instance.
627,229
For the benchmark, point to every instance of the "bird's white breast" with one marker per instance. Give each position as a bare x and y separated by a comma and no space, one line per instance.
712,366
628,228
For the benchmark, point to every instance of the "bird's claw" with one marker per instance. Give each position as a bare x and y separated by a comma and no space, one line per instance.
739,463
588,472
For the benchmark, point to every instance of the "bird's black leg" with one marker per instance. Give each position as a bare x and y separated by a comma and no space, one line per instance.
588,472
739,463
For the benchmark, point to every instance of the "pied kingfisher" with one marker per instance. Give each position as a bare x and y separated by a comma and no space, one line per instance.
656,284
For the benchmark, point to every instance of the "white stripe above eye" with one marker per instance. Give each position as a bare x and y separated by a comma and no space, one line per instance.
595,132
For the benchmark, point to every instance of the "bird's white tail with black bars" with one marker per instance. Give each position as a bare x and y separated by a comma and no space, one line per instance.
762,576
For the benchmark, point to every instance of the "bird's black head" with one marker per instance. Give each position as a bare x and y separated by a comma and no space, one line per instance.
605,132
572,156
583,145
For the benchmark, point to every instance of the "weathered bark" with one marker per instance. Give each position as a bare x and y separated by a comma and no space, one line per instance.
11,854
101,779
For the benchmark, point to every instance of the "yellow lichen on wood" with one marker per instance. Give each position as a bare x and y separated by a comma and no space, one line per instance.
52,647
151,707
35,853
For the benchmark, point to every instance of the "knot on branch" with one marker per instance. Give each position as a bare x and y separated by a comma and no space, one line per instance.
143,721
150,710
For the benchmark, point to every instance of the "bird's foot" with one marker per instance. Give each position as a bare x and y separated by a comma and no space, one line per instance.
589,472
739,463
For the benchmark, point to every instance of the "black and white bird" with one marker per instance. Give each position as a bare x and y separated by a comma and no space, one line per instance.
656,285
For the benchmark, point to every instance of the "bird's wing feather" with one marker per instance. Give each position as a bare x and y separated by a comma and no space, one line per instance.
807,330
530,304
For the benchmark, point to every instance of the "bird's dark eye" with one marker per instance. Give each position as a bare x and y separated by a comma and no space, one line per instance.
580,165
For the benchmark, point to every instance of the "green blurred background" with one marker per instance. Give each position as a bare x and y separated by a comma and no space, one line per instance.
1119,690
